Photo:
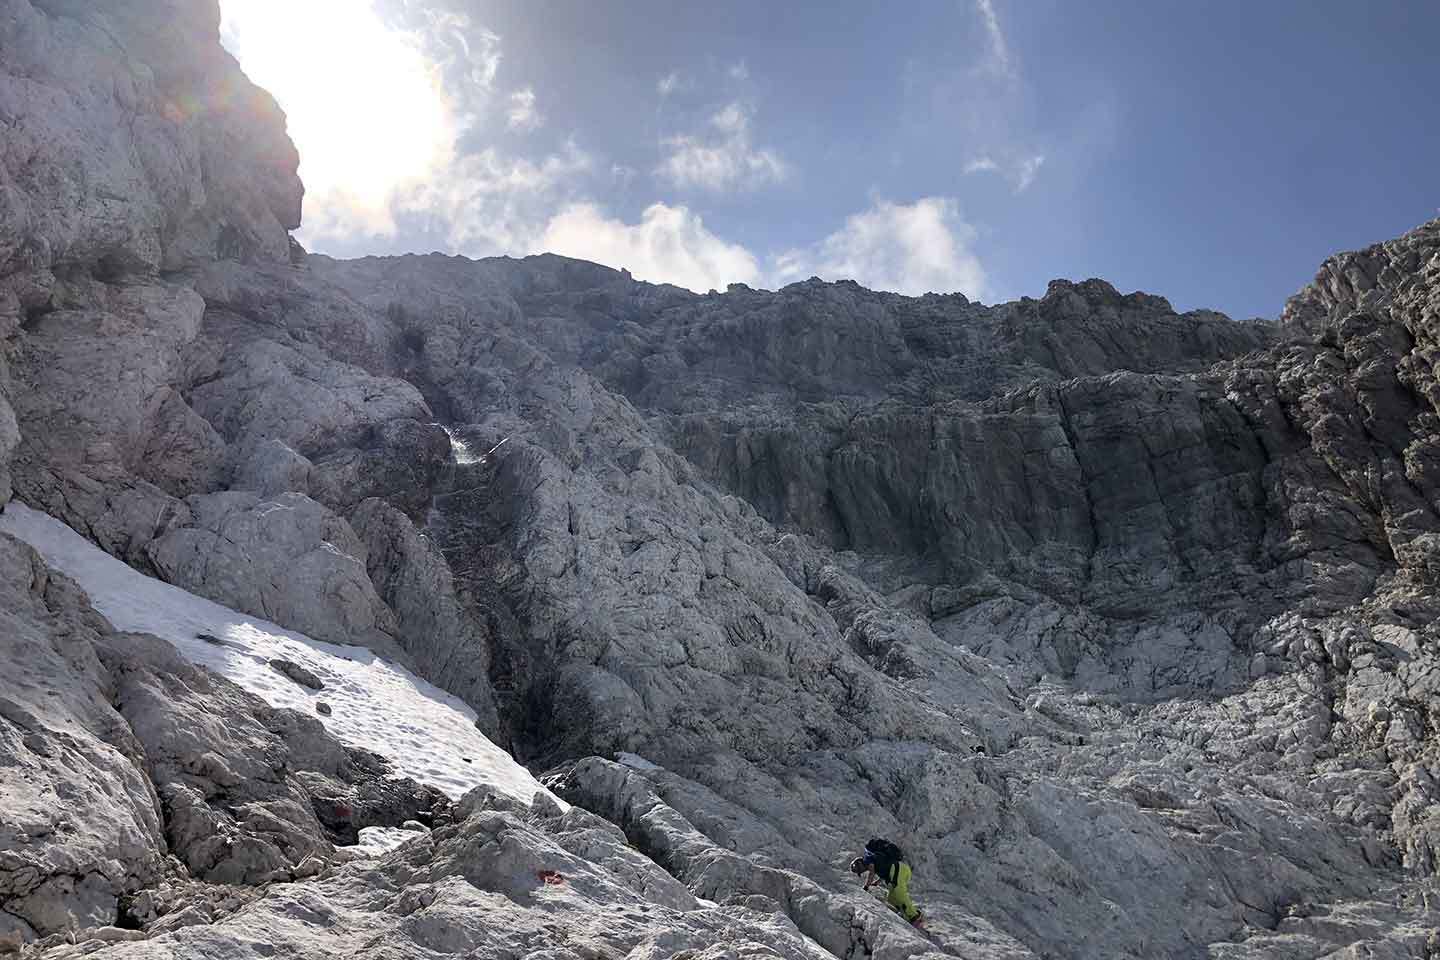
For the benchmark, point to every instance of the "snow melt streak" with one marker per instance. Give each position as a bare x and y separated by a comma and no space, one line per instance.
460,450
423,731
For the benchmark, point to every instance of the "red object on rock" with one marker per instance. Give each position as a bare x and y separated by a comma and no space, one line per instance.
551,877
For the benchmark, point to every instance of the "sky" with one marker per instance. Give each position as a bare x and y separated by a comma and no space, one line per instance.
1214,153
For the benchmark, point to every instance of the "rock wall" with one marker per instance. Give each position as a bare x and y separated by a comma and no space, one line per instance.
1119,620
133,147
813,599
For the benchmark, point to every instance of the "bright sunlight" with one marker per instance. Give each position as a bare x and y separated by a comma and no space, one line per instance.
365,105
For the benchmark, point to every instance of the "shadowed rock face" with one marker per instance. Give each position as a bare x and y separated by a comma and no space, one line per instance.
1119,621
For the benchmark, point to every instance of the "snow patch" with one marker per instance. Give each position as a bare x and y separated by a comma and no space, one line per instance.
377,705
378,841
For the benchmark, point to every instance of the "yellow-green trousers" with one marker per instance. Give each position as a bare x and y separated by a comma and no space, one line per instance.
899,898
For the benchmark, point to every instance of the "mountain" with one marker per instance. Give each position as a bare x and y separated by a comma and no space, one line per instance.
1119,621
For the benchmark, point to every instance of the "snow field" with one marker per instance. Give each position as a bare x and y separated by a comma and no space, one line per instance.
423,731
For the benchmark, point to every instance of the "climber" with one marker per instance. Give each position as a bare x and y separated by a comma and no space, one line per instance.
884,861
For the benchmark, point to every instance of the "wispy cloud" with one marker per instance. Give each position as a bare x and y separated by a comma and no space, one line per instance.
522,114
998,84
1026,171
723,157
668,84
465,56
1020,171
912,248
739,72
986,103
999,49
670,244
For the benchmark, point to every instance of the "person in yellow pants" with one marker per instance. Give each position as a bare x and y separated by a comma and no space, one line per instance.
884,864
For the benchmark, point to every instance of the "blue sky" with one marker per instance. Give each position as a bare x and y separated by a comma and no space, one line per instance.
1213,153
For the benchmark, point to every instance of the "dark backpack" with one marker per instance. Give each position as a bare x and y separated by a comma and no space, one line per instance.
886,857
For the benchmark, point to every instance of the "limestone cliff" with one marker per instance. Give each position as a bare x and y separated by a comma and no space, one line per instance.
1119,620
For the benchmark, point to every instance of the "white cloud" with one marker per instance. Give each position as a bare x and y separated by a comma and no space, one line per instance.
668,84
982,165
739,72
908,248
522,114
670,244
489,203
725,159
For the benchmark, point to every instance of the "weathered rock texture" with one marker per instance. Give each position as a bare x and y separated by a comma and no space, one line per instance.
531,882
127,769
1120,621
132,145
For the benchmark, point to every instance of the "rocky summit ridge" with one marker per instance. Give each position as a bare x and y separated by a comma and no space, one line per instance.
1120,621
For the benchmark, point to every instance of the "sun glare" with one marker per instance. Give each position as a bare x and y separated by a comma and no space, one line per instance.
365,105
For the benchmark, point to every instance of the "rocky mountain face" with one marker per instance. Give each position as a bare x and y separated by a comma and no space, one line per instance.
1120,621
